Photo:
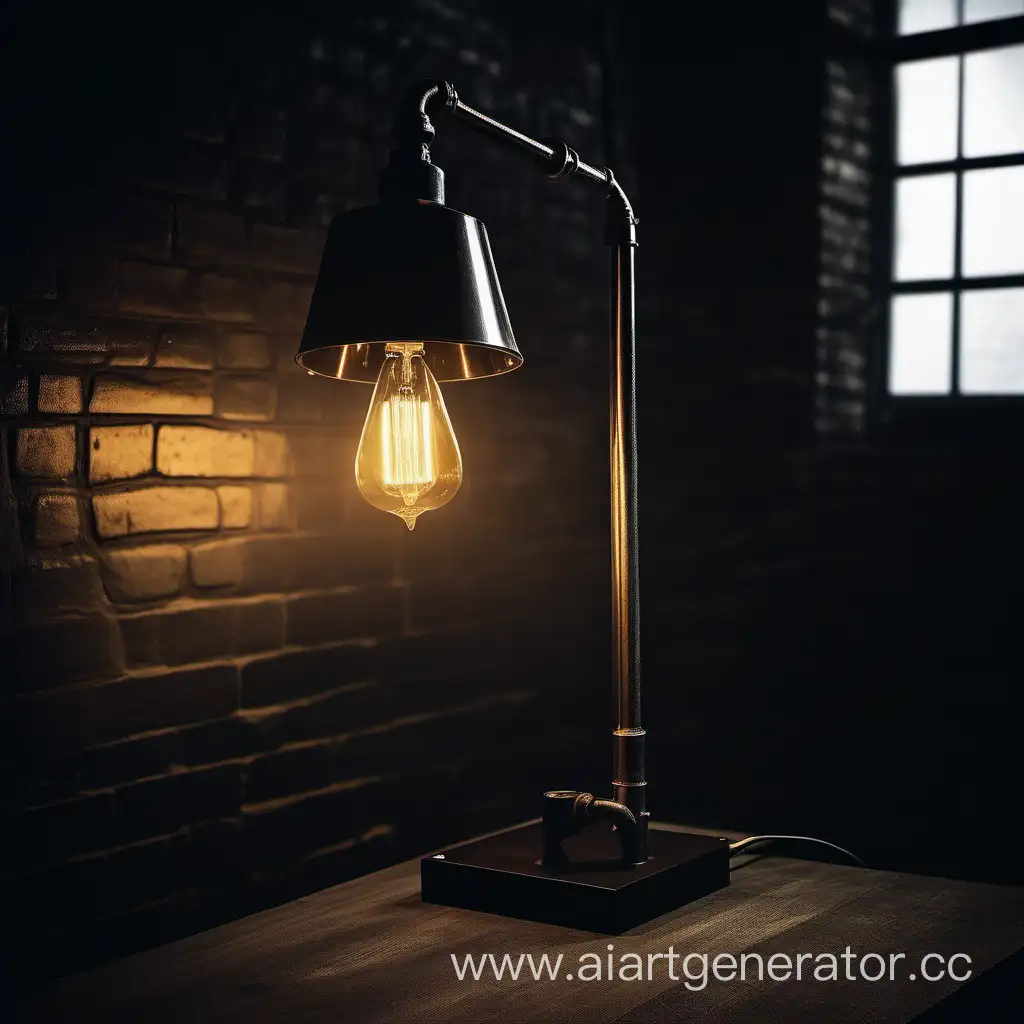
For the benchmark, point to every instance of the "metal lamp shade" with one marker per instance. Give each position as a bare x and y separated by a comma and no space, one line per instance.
408,271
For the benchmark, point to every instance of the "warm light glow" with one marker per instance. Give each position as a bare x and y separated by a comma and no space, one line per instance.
406,446
408,461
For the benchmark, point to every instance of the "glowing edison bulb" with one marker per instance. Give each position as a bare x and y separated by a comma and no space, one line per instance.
408,461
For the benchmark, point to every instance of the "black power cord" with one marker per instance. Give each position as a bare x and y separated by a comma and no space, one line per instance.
742,845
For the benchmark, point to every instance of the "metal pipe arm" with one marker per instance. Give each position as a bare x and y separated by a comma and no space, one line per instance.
558,160
410,160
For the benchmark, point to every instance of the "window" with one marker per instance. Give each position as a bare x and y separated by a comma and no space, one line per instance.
956,306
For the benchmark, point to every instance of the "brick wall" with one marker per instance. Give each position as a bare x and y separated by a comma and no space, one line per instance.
226,679
828,615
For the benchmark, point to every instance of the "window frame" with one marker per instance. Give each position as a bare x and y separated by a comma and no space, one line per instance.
925,414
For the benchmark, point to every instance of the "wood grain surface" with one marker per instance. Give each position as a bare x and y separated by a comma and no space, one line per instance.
370,950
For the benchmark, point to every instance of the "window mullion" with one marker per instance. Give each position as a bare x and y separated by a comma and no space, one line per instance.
958,204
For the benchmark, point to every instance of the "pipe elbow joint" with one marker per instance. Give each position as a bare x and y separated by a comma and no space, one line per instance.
567,812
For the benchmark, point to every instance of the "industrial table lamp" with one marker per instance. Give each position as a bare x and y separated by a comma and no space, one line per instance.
408,296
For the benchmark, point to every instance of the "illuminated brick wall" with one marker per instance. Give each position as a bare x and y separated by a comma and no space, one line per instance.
226,679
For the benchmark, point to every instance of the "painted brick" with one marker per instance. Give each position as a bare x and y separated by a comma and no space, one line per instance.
372,844
420,654
55,519
339,406
260,626
228,299
140,641
13,396
77,887
61,586
288,676
129,342
155,510
235,507
264,131
320,505
59,394
490,717
440,603
356,557
145,872
216,850
90,282
157,806
207,108
120,453
40,275
273,454
285,304
324,712
184,347
318,819
157,395
203,451
234,736
246,398
65,651
204,633
263,186
292,155
282,352
274,504
58,338
239,350
288,771
157,701
129,759
213,236
432,554
191,171
55,723
157,290
144,574
297,402
278,562
63,829
280,248
316,208
180,638
308,448
46,452
134,350
219,563
121,220
362,612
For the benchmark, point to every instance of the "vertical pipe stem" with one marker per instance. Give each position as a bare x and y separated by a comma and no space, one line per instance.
629,782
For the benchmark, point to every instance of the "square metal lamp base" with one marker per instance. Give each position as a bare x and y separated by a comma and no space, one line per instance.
501,874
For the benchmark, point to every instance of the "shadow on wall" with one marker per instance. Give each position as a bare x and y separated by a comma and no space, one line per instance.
831,626
226,679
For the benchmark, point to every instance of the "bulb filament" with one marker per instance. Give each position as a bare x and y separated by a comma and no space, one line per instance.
408,460
407,447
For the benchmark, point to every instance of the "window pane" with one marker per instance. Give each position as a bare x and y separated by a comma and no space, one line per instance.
992,342
925,212
926,15
993,224
921,347
927,110
987,10
993,105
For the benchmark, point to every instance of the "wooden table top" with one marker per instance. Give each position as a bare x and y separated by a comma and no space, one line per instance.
369,950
